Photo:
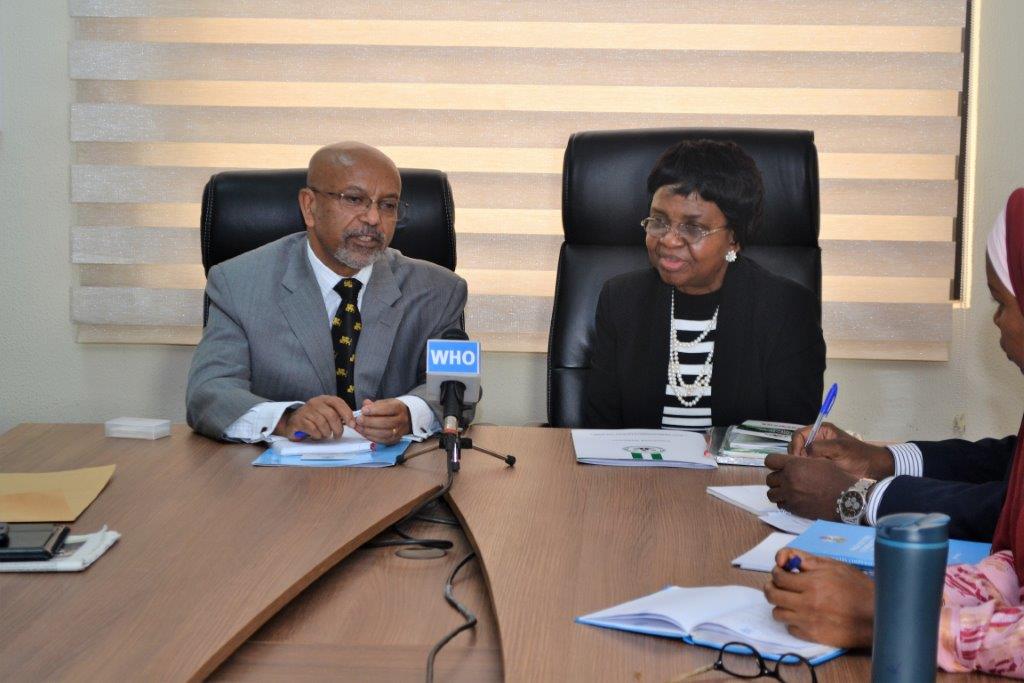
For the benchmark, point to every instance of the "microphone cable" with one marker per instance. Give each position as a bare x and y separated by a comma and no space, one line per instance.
406,539
449,596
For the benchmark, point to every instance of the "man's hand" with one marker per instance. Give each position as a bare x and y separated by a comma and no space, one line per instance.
322,417
808,487
385,421
826,602
853,456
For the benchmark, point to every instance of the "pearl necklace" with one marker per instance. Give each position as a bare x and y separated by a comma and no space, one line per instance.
688,394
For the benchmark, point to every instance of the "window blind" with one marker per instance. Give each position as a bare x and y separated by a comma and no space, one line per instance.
168,92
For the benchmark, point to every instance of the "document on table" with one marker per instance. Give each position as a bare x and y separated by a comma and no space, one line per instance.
375,456
710,616
642,448
350,441
761,558
50,496
754,499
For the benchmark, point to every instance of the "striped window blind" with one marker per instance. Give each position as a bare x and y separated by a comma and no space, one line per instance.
168,92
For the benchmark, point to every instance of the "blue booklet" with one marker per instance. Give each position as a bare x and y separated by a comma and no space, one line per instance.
710,616
856,545
380,456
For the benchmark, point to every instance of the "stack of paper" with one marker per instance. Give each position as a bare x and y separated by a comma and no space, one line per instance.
641,448
761,558
750,442
754,499
349,442
373,455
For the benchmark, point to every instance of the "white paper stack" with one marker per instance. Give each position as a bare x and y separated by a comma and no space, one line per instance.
642,448
761,558
348,443
754,499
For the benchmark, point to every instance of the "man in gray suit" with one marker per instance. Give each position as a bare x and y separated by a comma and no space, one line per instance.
289,320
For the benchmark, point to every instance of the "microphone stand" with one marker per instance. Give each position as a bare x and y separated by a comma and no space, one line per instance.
453,443
450,440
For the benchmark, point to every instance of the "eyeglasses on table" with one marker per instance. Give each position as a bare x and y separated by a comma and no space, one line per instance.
743,661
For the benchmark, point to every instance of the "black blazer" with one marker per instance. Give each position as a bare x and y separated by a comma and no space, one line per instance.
963,479
769,351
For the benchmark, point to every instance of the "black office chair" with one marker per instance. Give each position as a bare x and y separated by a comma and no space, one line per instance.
604,198
243,210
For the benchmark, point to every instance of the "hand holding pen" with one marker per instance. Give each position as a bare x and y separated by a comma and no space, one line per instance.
826,408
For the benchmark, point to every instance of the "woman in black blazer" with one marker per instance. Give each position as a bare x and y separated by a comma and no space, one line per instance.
744,343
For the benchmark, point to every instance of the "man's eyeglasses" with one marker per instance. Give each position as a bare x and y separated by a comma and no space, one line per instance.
388,207
691,233
743,661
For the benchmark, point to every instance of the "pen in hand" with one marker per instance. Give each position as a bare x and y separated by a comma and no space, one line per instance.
826,408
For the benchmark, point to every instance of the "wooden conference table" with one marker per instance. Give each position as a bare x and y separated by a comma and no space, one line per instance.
238,572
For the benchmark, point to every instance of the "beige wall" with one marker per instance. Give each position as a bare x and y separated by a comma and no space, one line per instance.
45,376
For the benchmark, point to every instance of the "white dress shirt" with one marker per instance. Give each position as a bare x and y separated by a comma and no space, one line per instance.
907,459
260,421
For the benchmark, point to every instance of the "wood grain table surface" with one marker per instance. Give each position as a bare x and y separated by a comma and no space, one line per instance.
559,540
555,540
211,547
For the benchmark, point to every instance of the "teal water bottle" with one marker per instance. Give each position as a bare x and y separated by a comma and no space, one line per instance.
910,567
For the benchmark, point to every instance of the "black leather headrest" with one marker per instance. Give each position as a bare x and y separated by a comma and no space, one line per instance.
604,182
243,210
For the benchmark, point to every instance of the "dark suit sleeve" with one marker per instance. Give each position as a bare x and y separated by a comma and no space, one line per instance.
795,364
604,396
968,461
963,479
973,509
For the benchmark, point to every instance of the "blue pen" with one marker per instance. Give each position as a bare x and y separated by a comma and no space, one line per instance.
793,564
299,436
826,408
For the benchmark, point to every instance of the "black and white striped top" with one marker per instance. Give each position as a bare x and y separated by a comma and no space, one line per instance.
693,314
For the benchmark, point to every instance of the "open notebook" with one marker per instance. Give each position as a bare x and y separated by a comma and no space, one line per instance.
710,617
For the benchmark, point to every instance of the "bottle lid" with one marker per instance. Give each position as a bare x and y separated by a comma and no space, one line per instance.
914,527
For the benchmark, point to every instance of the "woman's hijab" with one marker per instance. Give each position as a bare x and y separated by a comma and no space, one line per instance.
1008,263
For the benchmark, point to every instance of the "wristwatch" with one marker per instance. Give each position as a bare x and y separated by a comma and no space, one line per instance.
853,502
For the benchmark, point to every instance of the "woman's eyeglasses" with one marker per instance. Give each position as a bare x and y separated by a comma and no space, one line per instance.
691,233
743,661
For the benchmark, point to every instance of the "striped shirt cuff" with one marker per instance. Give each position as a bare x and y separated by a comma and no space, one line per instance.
874,499
907,458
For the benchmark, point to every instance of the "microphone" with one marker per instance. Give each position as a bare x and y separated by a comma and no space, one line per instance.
453,375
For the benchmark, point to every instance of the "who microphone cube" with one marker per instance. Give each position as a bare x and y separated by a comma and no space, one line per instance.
454,360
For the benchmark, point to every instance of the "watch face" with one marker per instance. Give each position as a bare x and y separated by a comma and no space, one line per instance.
851,505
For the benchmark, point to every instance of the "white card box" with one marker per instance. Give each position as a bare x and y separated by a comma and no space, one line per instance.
137,428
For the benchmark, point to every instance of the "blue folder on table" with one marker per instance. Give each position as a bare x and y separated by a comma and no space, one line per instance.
381,456
856,545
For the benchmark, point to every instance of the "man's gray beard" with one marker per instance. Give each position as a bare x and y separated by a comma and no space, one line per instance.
357,259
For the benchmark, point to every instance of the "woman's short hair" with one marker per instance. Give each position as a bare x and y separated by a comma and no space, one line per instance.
720,172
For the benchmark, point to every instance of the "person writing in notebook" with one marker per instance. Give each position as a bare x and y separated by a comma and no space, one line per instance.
704,336
305,330
982,620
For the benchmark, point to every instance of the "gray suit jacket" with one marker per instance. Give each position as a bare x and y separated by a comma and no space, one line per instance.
267,337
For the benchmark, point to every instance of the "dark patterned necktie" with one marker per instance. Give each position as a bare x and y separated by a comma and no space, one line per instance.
345,328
